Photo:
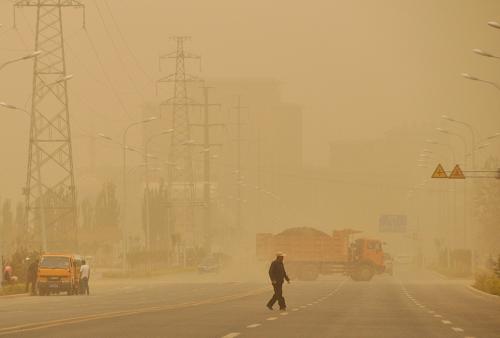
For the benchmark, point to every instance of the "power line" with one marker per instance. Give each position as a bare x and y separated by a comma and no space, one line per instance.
118,54
151,80
106,75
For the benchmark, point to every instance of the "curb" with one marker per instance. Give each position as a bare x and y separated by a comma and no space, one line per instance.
18,295
482,292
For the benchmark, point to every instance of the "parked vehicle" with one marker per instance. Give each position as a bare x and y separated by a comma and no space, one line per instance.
214,262
404,259
59,272
311,253
209,264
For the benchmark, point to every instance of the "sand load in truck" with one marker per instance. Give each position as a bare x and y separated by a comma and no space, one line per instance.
311,253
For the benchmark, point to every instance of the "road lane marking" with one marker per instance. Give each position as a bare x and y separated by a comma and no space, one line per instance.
438,316
310,304
231,335
272,318
123,313
457,329
251,326
431,312
296,309
284,314
447,322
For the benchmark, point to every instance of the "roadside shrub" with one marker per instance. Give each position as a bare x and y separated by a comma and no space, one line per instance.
488,282
13,289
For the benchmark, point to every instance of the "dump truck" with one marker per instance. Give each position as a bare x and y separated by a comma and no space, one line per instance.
310,253
59,272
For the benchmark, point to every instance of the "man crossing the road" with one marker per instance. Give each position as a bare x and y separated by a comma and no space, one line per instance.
278,275
84,278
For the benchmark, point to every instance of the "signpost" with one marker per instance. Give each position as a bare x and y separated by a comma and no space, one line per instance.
457,173
439,172
392,223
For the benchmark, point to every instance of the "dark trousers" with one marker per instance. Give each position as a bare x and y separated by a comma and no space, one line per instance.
33,286
84,287
278,296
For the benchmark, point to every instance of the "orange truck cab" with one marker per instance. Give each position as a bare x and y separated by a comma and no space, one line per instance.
59,272
367,258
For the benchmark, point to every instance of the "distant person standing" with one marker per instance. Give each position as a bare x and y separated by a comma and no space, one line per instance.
278,275
31,276
7,274
84,278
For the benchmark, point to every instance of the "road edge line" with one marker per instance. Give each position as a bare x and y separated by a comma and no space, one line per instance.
482,292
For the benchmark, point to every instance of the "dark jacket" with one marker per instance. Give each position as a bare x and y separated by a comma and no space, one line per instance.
32,271
277,272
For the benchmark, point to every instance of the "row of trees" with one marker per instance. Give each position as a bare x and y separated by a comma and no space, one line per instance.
12,226
98,231
487,211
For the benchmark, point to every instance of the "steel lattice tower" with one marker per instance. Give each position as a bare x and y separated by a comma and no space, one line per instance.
181,186
50,184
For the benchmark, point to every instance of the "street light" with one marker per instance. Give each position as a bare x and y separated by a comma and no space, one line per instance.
146,161
474,78
26,57
494,24
124,174
444,131
485,53
63,79
10,106
472,132
441,130
493,136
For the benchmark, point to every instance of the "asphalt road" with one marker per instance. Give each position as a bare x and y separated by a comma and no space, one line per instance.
409,304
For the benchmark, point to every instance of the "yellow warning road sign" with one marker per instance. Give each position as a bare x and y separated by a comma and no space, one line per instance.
457,173
439,172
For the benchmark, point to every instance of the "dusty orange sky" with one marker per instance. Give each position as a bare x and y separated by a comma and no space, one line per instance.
358,67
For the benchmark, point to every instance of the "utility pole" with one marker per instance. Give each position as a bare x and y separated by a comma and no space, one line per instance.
207,157
50,185
238,164
181,187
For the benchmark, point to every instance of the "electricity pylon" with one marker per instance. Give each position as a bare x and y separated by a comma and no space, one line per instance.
181,186
51,211
207,146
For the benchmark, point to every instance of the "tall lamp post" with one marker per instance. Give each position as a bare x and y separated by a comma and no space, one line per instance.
124,206
124,188
464,141
146,161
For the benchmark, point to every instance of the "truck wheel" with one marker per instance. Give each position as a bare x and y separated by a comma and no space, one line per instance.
366,273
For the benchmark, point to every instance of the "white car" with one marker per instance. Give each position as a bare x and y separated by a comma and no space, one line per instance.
404,259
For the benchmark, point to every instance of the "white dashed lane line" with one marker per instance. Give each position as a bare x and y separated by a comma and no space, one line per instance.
251,326
232,335
432,313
